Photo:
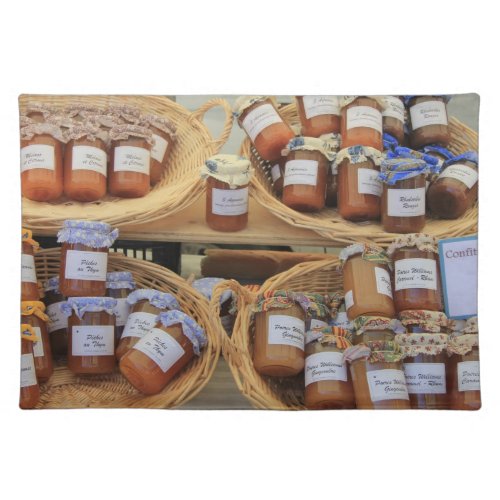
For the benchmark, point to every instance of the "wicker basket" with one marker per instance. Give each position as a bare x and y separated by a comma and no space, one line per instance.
67,390
268,392
180,186
328,222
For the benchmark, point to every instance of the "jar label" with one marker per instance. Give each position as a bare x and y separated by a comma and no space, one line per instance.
131,159
428,113
159,148
38,156
28,373
121,311
89,158
275,172
163,349
315,105
230,201
138,324
342,320
383,280
58,320
286,330
406,202
425,378
260,118
93,340
394,108
468,376
86,266
38,351
463,173
317,323
301,172
368,182
28,273
349,299
325,366
364,116
387,384
415,273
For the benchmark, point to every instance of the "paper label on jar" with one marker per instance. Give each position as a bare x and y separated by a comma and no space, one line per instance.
138,324
325,366
159,346
275,172
425,378
364,116
317,323
301,172
463,173
230,201
342,320
121,311
428,113
159,148
260,118
406,202
415,273
38,345
131,159
349,299
28,373
86,266
383,280
58,320
286,330
394,108
38,156
468,376
368,182
89,158
94,340
28,273
315,105
387,384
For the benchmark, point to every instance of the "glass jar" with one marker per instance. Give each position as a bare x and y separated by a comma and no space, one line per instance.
417,281
259,118
29,393
361,122
318,114
130,161
367,282
278,174
91,334
163,352
58,321
84,257
29,283
428,120
145,306
393,117
118,286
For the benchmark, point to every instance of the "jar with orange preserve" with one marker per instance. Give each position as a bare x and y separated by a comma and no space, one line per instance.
130,161
58,322
119,284
359,189
29,283
84,257
163,352
318,114
227,178
367,282
91,334
393,117
42,161
29,393
375,364
417,281
145,306
33,313
259,118
332,142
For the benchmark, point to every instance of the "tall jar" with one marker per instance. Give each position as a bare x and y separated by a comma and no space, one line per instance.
119,284
318,114
428,119
29,393
29,282
367,281
228,177
58,321
163,352
259,118
84,257
393,117
417,279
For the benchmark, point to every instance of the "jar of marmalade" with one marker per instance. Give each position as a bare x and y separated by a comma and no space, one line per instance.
29,283
29,393
318,114
393,117
58,321
118,286
163,352
428,120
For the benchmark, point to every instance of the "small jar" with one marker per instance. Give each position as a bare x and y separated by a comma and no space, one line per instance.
417,281
145,306
118,286
58,321
278,174
91,334
163,352
29,393
259,118
361,122
393,117
455,190
84,257
33,314
318,114
130,161
228,177
367,282
428,120
29,282
359,188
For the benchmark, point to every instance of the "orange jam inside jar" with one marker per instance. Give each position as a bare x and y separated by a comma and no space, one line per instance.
318,114
58,321
118,286
227,179
367,281
91,334
145,306
259,118
393,117
29,283
29,393
428,119
163,352
417,278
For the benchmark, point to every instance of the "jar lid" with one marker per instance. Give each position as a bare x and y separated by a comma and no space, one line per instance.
437,149
368,251
34,308
120,279
467,156
462,344
332,142
94,234
28,333
415,344
387,351
25,120
123,132
408,98
390,142
231,169
245,101
52,284
345,100
190,328
330,335
130,114
334,301
404,152
359,154
206,285
83,110
161,300
363,324
82,305
62,120
398,169
471,325
274,299
28,132
38,107
87,129
161,123
313,304
311,144
27,237
104,120
431,321
423,242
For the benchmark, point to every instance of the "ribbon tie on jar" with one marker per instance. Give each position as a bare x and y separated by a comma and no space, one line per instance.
190,328
34,308
330,335
398,169
28,333
27,237
368,252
